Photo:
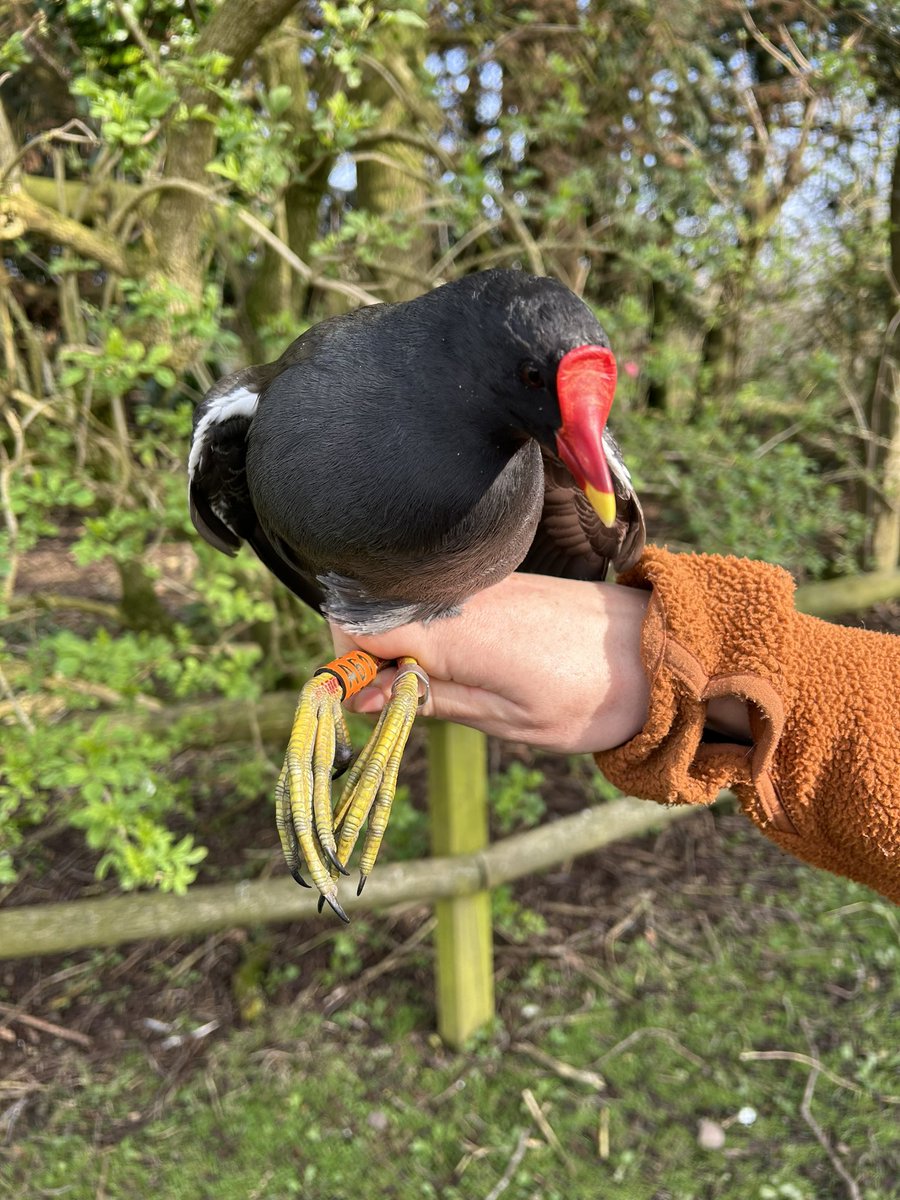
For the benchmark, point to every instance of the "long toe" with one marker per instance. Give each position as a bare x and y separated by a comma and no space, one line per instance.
318,747
372,782
303,793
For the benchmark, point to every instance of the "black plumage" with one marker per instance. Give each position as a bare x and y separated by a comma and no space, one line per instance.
397,459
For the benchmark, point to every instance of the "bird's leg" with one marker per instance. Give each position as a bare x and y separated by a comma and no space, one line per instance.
318,748
372,781
319,741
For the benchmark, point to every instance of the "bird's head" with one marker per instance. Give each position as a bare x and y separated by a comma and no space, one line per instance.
557,377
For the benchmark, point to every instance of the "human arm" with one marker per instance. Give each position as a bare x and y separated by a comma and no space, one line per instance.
821,776
641,674
555,663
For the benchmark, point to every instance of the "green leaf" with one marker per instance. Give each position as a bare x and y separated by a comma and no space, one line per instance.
405,17
278,99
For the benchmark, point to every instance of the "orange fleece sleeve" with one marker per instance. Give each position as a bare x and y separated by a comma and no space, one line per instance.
822,778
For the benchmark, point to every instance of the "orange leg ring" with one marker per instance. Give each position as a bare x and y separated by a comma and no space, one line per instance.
353,671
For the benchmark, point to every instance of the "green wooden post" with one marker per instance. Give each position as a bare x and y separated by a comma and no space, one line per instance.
458,791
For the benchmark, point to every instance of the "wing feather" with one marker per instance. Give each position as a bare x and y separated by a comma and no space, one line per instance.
220,503
571,542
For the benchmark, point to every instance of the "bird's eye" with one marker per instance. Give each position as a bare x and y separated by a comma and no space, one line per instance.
530,374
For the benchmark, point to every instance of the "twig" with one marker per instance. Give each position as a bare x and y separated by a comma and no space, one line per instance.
20,713
529,245
652,1031
57,601
798,54
819,1133
603,1133
341,994
69,1035
545,1127
129,20
306,273
61,134
407,137
11,1117
511,1167
755,115
640,906
575,962
776,439
779,55
563,1069
876,908
814,1064
393,164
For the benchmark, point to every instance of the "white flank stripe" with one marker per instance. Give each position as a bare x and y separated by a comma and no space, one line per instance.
239,403
616,462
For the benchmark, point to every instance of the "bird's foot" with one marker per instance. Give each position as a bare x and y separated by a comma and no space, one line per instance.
372,781
319,747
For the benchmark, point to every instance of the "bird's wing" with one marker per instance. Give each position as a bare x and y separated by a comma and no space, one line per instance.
571,542
220,503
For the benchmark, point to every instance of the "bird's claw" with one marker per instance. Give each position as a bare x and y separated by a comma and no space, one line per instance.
319,738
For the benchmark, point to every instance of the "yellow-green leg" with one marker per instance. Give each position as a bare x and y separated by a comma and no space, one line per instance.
372,783
318,739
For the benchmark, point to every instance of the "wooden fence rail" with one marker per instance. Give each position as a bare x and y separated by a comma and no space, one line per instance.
108,921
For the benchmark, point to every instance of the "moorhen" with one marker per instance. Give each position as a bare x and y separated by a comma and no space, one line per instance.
392,462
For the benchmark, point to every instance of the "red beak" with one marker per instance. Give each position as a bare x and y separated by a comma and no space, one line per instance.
585,385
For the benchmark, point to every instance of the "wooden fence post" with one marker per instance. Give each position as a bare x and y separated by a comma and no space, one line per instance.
458,793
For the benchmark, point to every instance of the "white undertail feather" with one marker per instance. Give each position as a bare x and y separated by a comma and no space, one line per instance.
240,402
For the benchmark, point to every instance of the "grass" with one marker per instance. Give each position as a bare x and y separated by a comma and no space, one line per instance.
673,1007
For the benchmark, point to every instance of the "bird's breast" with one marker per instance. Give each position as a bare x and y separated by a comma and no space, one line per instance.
429,569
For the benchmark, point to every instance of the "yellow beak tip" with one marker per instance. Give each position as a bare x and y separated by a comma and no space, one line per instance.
603,504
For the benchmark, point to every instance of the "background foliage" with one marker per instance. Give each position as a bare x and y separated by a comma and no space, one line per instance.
184,188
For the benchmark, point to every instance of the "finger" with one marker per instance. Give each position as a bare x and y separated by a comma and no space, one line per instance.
343,642
451,701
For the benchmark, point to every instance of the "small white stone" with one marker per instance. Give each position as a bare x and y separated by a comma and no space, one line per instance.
747,1115
710,1134
530,1010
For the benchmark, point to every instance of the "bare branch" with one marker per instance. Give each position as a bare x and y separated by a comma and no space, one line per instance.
409,138
294,261
529,245
770,48
63,133
131,23
20,214
476,232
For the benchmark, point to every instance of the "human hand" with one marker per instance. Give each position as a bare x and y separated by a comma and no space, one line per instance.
551,662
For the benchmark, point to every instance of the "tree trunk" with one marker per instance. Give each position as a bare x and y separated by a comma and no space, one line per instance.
390,183
884,415
276,289
235,29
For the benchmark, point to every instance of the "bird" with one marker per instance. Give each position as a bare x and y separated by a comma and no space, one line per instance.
394,461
